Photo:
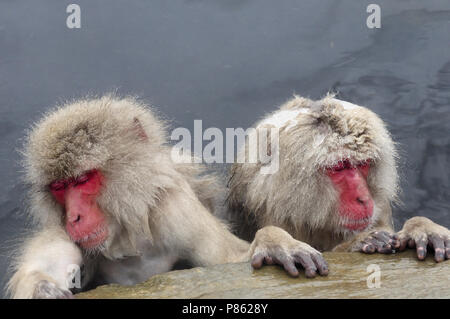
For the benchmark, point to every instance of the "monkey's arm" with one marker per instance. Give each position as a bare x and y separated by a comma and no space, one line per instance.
41,270
419,232
189,230
205,240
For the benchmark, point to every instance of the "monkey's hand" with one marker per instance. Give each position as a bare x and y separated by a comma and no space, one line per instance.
420,232
273,245
48,290
379,241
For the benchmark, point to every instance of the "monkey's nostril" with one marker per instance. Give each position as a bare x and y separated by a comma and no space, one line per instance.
361,201
75,220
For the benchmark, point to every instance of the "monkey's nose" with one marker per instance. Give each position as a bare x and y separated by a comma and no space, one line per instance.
74,219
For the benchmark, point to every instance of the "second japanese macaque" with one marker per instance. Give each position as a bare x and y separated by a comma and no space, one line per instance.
112,205
336,181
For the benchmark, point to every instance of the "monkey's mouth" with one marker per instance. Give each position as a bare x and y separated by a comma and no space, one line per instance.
356,224
94,239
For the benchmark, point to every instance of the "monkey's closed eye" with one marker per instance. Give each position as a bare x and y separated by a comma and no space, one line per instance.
84,178
345,164
58,186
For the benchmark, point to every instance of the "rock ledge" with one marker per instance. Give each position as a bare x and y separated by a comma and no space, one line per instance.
402,276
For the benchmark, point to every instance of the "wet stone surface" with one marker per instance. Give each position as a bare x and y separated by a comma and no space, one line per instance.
402,276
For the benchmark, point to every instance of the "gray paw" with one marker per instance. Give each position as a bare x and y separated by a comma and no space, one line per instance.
48,290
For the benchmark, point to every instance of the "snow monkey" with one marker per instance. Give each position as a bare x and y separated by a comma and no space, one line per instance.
107,197
335,184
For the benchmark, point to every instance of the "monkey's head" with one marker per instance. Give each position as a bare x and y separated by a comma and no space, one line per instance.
89,164
336,169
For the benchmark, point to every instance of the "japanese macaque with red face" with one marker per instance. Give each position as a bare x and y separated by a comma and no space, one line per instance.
108,198
335,184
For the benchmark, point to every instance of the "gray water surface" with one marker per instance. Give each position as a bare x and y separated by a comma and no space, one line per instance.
228,63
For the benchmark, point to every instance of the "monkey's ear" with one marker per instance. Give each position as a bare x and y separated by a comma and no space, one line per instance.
140,132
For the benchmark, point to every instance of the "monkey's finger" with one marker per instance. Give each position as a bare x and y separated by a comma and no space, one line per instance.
68,295
387,238
288,265
307,263
61,294
369,248
447,248
383,236
439,247
257,260
366,247
321,264
403,243
48,290
411,243
421,248
380,246
395,241
403,238
269,260
385,249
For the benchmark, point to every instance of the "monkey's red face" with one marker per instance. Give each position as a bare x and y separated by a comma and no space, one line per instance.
355,200
85,222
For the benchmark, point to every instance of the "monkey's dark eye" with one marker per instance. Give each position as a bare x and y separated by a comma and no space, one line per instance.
58,186
341,165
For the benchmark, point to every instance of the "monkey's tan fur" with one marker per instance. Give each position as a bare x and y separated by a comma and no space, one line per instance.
157,211
127,142
103,133
299,196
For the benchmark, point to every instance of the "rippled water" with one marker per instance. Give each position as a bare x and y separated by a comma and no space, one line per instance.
228,63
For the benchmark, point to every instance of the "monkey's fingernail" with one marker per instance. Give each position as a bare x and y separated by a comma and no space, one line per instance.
257,261
421,253
294,273
439,254
323,271
370,249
